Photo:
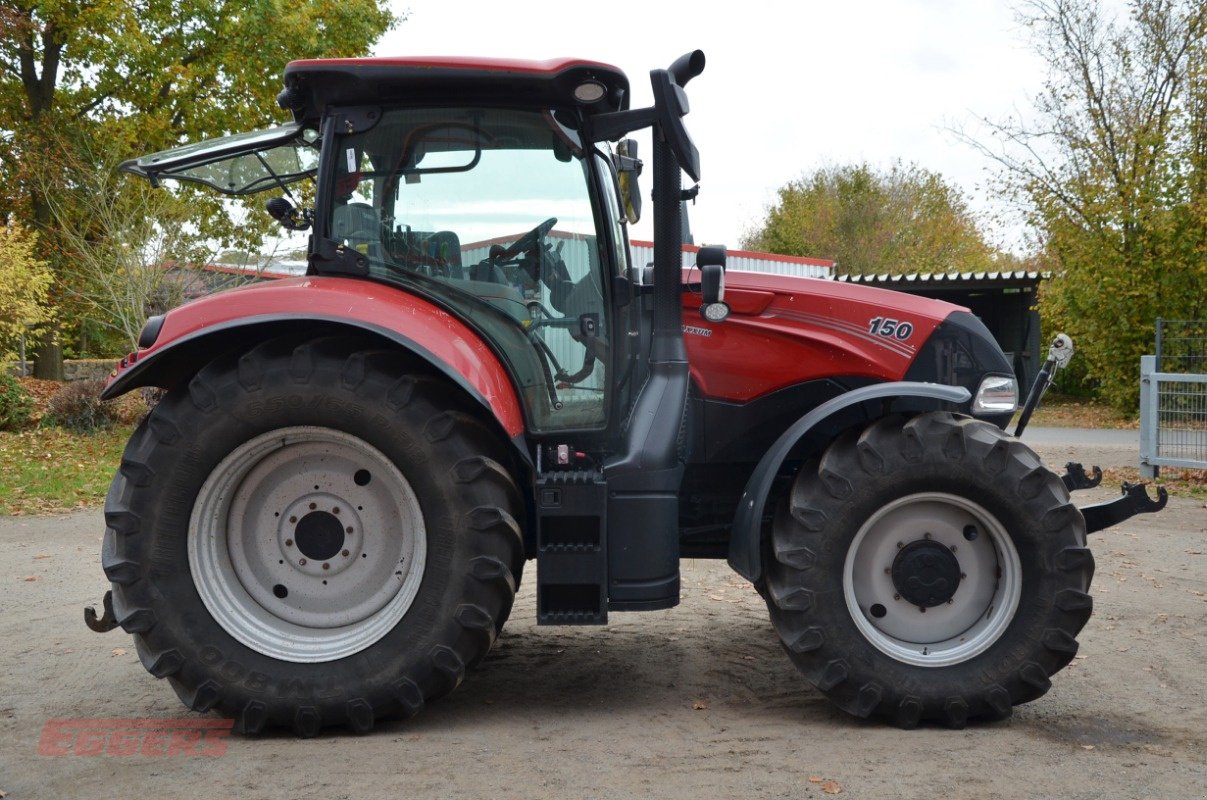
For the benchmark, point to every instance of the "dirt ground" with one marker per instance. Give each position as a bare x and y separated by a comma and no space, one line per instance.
696,702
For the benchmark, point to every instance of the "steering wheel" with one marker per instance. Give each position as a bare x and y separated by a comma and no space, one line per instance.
529,241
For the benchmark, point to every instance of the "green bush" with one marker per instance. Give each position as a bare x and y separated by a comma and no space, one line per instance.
78,407
16,404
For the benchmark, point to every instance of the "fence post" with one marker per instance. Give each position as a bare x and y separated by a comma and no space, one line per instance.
1160,331
1148,414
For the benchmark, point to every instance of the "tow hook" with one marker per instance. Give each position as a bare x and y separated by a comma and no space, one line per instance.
1076,478
1135,500
107,622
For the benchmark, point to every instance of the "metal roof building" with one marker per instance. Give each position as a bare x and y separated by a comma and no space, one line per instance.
642,253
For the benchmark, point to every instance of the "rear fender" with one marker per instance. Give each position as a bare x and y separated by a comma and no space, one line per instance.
192,335
745,541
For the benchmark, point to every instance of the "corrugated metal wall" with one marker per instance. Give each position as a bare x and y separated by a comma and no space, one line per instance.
743,260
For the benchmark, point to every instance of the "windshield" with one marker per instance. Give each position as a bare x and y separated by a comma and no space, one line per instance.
491,210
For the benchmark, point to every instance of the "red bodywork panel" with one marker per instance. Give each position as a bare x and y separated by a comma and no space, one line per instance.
359,302
782,331
786,330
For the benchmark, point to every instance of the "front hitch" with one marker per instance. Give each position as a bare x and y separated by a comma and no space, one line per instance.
1134,500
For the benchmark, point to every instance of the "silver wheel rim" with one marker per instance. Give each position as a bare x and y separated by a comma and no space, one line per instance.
977,614
307,544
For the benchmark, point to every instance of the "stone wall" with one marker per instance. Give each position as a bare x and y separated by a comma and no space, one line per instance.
75,369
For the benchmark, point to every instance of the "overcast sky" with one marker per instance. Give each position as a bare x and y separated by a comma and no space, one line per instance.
789,86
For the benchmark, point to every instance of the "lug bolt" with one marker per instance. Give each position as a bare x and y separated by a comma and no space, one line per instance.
289,542
896,597
922,609
900,545
926,536
950,601
888,570
335,510
348,529
293,519
953,548
963,575
344,554
326,566
302,561
313,506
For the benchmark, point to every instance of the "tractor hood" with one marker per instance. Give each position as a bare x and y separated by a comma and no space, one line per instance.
785,331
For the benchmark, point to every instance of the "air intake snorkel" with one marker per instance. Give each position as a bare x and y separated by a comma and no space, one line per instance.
644,477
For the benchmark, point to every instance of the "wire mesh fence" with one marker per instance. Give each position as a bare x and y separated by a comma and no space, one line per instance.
1173,398
1182,345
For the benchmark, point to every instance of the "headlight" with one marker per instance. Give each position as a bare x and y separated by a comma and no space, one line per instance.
996,395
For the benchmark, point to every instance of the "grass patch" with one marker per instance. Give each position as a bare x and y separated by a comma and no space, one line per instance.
1058,411
53,471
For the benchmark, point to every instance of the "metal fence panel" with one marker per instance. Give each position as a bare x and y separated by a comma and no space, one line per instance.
1173,418
1182,345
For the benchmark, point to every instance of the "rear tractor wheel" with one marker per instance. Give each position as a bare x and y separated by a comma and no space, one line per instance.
312,535
929,568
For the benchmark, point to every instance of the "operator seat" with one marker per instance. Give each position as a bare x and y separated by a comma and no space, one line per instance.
446,246
359,225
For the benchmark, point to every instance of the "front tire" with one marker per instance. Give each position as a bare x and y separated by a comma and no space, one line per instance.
929,568
312,535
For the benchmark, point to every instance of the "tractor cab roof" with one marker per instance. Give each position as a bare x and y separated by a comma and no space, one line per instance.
315,84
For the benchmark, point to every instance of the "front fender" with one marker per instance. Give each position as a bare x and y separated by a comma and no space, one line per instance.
190,336
745,537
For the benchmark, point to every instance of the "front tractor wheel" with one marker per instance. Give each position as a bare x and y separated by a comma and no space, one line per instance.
312,535
929,568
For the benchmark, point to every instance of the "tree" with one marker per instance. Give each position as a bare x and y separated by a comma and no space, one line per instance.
1112,173
907,219
24,288
126,246
145,75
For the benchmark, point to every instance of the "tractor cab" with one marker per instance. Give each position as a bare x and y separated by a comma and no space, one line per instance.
476,185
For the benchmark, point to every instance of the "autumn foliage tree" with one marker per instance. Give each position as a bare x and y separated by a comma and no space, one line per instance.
143,75
1112,171
119,237
24,288
904,219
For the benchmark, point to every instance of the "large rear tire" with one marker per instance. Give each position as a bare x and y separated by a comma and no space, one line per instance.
929,568
312,535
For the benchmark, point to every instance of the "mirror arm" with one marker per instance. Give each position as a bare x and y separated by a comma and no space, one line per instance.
609,127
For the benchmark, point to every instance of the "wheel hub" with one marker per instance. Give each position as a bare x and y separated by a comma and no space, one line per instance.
926,574
319,535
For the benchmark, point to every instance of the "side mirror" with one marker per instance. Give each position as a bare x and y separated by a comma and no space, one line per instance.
628,169
284,212
711,263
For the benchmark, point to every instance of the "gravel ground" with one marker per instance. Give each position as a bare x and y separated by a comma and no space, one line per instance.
695,702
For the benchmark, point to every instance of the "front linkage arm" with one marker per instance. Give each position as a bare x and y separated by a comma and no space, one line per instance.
1075,477
1134,500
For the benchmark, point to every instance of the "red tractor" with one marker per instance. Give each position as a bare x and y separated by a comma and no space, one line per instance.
325,520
